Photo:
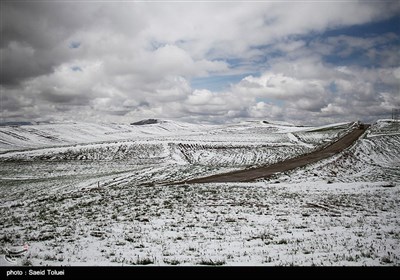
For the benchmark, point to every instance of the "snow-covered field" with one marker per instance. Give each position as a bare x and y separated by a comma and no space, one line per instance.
103,194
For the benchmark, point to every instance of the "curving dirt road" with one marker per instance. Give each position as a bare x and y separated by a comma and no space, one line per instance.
266,171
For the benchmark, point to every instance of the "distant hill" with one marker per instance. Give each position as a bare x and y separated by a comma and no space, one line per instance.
15,123
39,135
147,121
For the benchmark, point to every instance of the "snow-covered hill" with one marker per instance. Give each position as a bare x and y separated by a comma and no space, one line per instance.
61,134
374,157
235,145
104,194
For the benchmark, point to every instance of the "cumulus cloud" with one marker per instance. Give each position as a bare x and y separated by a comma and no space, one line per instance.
114,61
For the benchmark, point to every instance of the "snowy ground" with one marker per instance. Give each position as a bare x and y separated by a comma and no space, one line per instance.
112,203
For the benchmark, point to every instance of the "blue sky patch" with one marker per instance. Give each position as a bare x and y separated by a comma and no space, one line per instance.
76,69
74,45
274,101
368,29
332,87
218,83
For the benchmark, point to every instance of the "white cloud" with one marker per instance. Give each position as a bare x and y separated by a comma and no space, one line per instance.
306,94
137,59
266,111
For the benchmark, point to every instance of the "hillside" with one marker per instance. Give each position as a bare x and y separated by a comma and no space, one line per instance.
114,202
62,134
374,157
157,147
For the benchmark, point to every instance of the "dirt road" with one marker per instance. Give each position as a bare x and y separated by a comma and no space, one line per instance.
265,171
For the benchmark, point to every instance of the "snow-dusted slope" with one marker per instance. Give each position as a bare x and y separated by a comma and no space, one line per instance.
110,201
235,145
155,153
63,134
45,135
374,157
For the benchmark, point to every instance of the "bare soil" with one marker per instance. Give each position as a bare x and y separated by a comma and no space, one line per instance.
252,174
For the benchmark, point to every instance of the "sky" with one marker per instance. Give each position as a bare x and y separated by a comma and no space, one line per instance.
304,62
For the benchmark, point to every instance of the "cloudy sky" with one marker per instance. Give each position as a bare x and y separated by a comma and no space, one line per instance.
306,62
